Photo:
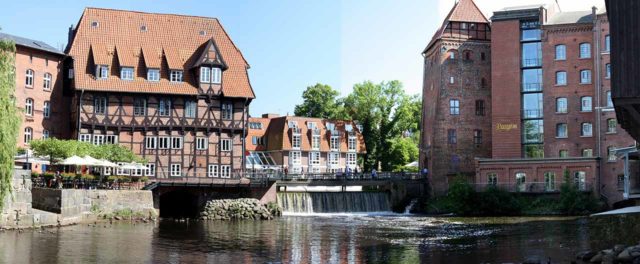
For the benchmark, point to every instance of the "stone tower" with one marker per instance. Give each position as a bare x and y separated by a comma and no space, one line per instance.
456,96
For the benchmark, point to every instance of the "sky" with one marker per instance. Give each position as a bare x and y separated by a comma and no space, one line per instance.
290,44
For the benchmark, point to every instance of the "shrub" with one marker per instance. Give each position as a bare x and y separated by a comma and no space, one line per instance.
462,196
495,201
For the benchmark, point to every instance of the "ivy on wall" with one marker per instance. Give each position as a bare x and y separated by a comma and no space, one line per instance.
9,119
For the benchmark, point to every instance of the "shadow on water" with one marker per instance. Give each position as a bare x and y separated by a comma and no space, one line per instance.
179,204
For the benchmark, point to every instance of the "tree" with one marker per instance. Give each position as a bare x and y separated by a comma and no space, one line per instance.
319,101
402,151
9,119
54,148
61,149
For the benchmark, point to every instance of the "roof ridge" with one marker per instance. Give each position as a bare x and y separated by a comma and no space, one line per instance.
149,13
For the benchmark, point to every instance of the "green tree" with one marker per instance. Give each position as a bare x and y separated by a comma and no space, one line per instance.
402,151
52,147
9,119
61,149
319,101
115,153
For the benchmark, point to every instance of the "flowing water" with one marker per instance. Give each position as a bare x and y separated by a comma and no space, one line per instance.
333,202
343,238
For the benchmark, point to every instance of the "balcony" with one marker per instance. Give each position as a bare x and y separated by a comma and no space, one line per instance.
535,62
532,113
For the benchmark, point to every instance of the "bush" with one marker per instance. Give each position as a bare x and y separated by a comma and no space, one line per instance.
462,197
495,201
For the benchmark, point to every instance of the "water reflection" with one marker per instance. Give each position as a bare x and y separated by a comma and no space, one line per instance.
322,239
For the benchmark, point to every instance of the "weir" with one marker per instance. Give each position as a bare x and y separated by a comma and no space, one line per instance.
334,202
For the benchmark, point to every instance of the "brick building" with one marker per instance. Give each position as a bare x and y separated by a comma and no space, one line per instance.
303,144
551,109
45,109
457,95
173,88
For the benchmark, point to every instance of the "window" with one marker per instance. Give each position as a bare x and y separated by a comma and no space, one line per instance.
609,101
549,181
28,135
585,76
531,54
315,142
85,138
452,138
94,24
531,80
608,71
121,171
612,124
314,158
257,140
190,108
563,153
227,111
334,143
212,171
351,159
585,50
561,105
454,107
452,80
492,179
47,81
480,107
29,78
176,170
585,104
126,73
216,75
255,125
587,130
111,139
139,107
521,179
580,180
532,105
334,159
587,153
164,107
621,182
153,75
530,34
100,105
98,140
611,154
225,145
202,143
205,75
151,169
175,76
225,171
295,141
45,134
138,172
70,73
151,142
28,107
483,83
176,142
102,71
352,144
46,110
330,126
452,55
294,158
163,142
561,52
533,131
607,43
561,78
477,137
561,130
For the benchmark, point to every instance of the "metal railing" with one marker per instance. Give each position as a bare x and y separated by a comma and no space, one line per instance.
529,187
86,184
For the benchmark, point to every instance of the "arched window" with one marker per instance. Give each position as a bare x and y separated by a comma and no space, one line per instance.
28,107
47,81
452,54
521,179
29,78
28,135
585,50
46,110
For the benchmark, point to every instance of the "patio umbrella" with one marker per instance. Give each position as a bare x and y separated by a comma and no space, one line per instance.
412,164
133,166
93,161
75,160
106,163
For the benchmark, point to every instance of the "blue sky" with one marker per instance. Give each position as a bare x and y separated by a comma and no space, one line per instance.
290,44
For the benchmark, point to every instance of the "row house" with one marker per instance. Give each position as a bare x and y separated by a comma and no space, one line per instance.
173,88
303,145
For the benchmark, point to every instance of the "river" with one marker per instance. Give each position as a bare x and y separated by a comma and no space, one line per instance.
347,238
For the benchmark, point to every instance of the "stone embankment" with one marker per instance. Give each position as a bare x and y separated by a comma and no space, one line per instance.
244,208
617,254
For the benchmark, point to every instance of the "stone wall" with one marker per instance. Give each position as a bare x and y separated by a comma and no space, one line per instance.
69,202
17,211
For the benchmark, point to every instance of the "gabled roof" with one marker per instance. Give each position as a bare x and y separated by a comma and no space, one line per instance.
210,55
462,11
30,43
150,40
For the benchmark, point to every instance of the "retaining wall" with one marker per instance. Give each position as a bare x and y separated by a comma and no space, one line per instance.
70,202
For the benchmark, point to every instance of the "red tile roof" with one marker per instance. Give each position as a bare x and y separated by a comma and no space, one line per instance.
172,39
462,11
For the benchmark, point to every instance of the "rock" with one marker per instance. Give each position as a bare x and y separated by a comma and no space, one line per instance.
532,260
608,258
625,256
597,258
618,248
585,255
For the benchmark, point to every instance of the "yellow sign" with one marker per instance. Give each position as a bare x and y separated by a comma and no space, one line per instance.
506,127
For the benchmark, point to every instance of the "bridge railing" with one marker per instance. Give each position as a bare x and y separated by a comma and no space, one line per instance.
335,176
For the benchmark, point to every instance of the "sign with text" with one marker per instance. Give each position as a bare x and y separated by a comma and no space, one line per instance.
504,127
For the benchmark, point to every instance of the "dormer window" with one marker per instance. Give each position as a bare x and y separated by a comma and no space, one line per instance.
126,73
293,124
311,125
348,128
102,71
331,126
176,76
216,75
153,75
205,75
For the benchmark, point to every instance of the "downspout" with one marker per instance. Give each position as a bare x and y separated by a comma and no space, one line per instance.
598,90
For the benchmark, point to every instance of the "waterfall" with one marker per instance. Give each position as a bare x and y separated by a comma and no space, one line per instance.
407,210
333,202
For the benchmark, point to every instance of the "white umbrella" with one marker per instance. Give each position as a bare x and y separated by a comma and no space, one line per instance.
106,163
93,161
412,164
133,166
75,160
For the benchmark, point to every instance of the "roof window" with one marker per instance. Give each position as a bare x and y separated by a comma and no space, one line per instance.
95,24
202,32
143,28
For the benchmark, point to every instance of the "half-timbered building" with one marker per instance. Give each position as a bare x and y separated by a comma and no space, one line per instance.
173,88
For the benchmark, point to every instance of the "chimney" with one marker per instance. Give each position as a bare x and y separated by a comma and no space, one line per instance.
70,35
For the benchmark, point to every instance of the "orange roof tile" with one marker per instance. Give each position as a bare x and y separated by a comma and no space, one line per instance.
462,11
175,38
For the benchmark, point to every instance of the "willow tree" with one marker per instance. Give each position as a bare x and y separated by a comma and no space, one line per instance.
9,120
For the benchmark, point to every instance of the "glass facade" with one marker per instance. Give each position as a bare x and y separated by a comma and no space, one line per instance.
532,86
531,80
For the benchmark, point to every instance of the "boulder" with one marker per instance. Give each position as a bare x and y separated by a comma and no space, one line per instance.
597,258
585,255
625,256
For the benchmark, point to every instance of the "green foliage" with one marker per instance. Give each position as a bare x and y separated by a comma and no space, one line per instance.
319,101
494,201
58,149
573,201
402,151
9,119
462,197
